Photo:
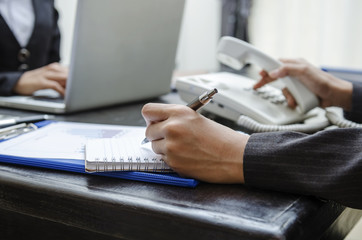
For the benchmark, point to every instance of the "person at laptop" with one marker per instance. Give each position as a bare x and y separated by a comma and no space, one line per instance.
327,164
29,46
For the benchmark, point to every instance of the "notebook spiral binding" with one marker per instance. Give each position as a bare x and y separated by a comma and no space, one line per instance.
137,164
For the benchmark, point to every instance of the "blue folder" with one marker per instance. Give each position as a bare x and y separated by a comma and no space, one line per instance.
78,167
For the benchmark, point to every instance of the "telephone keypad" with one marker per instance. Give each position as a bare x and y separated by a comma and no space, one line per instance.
269,94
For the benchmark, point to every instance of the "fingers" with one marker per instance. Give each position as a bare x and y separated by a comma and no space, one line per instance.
293,60
158,118
167,121
289,69
56,77
155,131
265,79
154,112
158,146
53,67
56,67
53,85
289,97
59,77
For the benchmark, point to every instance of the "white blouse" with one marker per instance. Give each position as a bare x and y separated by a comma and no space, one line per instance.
20,17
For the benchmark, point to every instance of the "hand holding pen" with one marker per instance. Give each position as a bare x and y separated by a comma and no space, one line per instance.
193,145
197,103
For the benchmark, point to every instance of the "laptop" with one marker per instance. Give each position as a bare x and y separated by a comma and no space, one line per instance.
123,51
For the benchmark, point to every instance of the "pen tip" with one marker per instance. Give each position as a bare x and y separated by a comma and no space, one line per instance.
144,141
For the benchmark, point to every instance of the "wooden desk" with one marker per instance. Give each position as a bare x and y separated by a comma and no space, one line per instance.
47,204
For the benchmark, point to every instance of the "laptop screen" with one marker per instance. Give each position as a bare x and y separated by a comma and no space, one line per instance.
123,51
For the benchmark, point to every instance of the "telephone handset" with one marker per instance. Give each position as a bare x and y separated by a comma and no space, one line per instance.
236,53
261,110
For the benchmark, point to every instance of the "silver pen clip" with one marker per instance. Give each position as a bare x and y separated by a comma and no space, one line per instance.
16,130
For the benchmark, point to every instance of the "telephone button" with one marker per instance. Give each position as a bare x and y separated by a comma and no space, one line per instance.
248,89
267,95
218,85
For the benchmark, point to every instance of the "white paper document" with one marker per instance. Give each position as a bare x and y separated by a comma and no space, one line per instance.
67,140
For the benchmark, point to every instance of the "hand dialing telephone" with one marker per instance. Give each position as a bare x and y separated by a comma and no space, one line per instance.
264,109
236,53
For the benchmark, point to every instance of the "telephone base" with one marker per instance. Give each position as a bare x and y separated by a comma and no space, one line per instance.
236,97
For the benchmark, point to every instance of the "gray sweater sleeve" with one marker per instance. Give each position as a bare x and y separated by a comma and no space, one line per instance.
356,113
327,164
8,81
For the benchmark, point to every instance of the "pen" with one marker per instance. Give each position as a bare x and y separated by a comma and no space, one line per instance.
11,128
29,119
197,103
16,130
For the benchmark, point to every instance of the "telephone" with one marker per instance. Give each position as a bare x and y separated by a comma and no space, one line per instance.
260,110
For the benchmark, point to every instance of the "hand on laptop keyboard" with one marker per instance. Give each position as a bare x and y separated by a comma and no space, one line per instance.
53,76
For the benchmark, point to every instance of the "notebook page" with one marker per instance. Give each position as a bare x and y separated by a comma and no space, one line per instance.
122,154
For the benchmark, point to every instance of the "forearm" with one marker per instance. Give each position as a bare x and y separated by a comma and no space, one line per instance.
327,164
8,80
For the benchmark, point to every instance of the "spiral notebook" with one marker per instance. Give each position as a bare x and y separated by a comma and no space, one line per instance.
122,154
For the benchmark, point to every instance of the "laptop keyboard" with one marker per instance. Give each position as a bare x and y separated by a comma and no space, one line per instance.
49,99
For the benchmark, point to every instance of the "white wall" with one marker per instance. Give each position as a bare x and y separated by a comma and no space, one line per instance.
199,33
66,9
325,32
